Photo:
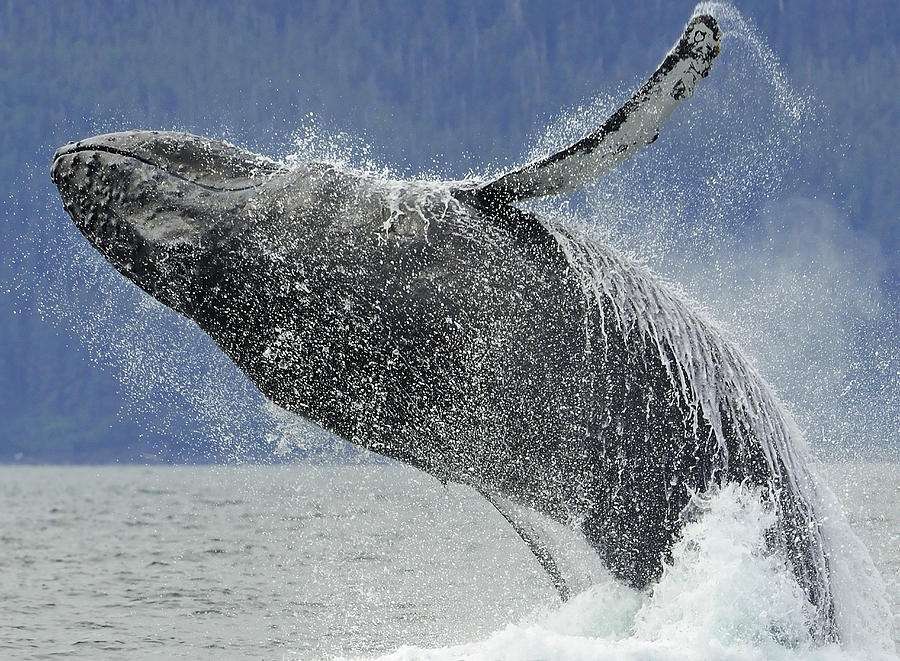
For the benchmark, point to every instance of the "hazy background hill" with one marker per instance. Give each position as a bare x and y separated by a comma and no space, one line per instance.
429,86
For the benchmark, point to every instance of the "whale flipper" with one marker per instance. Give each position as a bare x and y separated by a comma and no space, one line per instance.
631,127
532,539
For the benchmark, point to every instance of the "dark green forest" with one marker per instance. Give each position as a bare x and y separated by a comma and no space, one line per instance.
426,86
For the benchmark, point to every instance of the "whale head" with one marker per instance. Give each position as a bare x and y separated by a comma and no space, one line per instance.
156,204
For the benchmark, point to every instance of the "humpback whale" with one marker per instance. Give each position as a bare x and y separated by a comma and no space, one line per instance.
442,325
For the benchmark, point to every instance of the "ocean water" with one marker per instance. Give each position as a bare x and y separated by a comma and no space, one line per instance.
379,560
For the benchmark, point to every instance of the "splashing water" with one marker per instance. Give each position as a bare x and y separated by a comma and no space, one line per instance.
722,597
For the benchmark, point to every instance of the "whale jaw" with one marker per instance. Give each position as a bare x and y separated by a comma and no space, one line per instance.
153,203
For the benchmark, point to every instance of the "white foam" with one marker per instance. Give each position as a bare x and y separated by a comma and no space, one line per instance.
722,597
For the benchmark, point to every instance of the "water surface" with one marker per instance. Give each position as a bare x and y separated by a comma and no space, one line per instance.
291,561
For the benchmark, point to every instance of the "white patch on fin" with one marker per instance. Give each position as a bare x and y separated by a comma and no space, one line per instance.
631,127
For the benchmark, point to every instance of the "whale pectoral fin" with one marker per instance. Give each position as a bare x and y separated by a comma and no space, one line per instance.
532,539
631,127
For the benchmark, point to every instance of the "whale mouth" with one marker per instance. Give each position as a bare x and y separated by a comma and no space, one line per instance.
153,202
216,166
159,186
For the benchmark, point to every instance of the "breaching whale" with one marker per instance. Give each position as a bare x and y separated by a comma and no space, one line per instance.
441,325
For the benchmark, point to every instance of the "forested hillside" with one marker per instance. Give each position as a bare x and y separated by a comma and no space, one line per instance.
426,85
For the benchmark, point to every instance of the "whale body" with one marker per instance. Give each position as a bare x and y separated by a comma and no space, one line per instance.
438,324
